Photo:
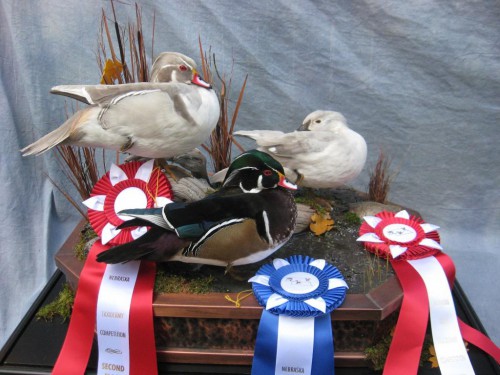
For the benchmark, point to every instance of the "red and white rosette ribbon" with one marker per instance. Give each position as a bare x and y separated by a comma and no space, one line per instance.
116,300
426,275
131,185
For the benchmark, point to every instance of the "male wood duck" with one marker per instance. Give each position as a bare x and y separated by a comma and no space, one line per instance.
322,153
248,219
169,116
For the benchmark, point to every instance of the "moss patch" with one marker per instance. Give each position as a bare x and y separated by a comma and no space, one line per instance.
170,283
61,306
81,248
313,203
377,353
352,218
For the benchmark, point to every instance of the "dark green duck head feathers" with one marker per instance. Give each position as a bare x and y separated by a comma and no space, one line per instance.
254,171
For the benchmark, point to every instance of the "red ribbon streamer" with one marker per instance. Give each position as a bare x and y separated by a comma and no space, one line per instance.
74,355
141,328
406,346
75,352
409,334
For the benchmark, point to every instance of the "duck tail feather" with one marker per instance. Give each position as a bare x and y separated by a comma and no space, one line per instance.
155,245
58,136
146,216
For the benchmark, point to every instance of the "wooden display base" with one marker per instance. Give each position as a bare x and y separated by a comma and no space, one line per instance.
207,329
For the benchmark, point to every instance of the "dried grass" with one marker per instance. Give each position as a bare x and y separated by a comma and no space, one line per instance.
221,140
381,179
79,163
139,67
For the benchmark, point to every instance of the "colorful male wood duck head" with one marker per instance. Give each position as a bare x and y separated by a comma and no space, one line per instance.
248,219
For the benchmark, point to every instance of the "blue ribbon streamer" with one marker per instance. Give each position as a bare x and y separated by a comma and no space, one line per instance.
323,346
266,345
264,360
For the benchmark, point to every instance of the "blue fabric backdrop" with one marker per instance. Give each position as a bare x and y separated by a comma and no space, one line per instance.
419,79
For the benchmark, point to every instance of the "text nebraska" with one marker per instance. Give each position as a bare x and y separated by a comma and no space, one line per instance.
119,278
293,370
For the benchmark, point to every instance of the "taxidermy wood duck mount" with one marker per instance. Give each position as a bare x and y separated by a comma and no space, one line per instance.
247,220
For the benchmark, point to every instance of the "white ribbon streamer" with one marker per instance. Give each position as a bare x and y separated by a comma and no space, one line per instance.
113,307
295,345
450,349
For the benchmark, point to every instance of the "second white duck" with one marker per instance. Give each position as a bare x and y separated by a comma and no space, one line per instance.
322,153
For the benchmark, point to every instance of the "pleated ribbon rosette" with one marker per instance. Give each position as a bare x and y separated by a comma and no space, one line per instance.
295,333
116,300
426,275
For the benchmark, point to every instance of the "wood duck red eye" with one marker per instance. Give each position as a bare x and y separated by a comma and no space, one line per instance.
183,68
267,172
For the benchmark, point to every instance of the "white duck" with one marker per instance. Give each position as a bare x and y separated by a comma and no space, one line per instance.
322,153
168,116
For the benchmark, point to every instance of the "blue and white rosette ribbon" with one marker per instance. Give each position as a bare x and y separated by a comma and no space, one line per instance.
295,332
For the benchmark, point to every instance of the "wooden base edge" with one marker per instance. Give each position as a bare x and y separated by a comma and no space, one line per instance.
241,357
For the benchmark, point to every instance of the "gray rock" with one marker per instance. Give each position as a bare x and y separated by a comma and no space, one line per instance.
370,208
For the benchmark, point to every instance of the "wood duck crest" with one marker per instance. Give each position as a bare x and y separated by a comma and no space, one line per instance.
255,171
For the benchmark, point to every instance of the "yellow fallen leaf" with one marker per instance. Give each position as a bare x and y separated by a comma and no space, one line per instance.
320,223
432,358
111,72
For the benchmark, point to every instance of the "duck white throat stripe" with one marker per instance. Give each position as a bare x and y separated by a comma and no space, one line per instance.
256,189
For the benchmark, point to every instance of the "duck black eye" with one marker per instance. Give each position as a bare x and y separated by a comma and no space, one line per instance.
183,68
267,173
318,121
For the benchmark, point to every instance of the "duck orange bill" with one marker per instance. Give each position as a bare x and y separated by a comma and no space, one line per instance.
197,80
285,183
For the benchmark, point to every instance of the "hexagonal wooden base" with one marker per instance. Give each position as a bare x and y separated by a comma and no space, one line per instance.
206,328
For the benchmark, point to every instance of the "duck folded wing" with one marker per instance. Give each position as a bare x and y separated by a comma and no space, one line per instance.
155,245
107,94
214,209
289,145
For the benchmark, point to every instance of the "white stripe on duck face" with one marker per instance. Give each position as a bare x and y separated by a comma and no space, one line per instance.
256,189
187,64
235,172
